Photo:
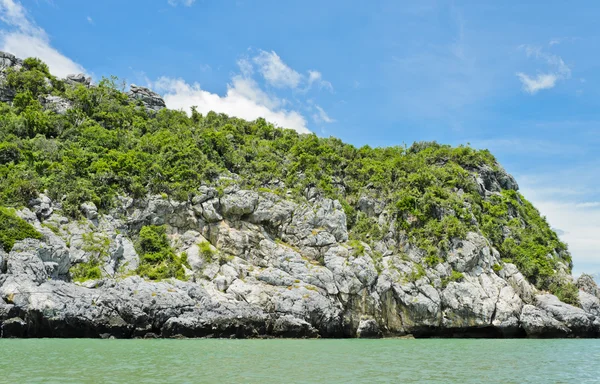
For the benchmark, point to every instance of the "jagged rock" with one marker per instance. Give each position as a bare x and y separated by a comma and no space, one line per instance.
289,326
13,328
123,257
317,226
151,100
579,322
24,262
272,211
42,206
89,210
8,60
587,284
370,206
28,256
276,268
3,257
368,329
590,303
466,254
56,104
494,179
210,211
79,79
239,203
538,323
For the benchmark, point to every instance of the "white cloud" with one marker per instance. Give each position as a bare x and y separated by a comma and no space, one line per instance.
90,20
275,71
187,3
569,199
27,39
243,99
542,81
278,74
315,77
558,70
246,99
579,224
322,116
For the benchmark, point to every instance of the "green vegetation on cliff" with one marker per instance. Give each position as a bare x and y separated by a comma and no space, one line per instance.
106,145
13,228
158,261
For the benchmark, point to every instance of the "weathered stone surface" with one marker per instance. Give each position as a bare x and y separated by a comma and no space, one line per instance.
579,322
270,268
587,284
41,206
368,329
7,60
89,210
56,104
538,323
79,79
590,303
23,261
151,100
239,203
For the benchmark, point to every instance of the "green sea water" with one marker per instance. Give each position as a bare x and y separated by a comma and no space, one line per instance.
300,361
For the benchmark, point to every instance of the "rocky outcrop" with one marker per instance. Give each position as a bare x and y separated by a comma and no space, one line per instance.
151,100
80,78
7,60
275,268
56,104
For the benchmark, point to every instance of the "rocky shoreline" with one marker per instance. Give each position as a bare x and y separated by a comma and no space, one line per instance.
279,269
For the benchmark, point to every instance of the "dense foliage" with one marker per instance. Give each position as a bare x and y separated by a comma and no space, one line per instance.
13,228
107,145
157,259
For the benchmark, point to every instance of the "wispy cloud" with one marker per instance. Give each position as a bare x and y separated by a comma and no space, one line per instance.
280,75
26,39
315,77
275,71
90,20
569,198
187,3
321,116
557,70
578,222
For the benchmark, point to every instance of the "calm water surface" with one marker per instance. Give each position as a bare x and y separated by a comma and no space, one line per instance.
300,361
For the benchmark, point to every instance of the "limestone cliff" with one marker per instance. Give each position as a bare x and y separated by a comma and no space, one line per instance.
232,258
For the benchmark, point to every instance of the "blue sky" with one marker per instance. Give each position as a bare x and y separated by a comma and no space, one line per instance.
517,77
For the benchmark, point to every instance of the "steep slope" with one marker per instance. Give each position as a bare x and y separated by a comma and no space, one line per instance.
138,221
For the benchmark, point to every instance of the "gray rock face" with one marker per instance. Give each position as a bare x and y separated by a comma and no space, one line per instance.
587,284
79,79
151,100
554,318
7,61
56,104
494,180
368,329
262,266
89,210
42,206
239,203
